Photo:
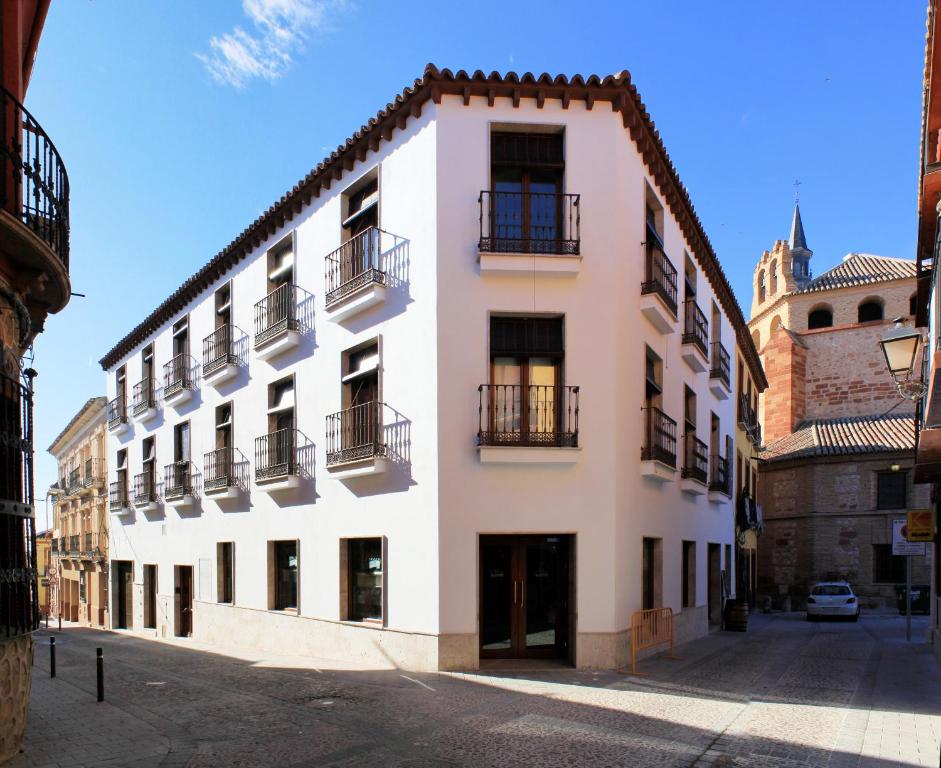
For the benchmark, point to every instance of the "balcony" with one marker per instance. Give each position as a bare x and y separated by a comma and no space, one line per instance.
695,349
117,499
75,481
144,401
178,484
658,453
220,361
178,383
93,475
219,478
720,372
357,274
748,420
277,327
117,416
145,492
720,479
75,546
276,466
55,546
695,470
529,233
34,205
658,291
355,441
532,424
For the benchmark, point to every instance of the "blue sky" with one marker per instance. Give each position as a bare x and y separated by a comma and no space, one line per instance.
180,122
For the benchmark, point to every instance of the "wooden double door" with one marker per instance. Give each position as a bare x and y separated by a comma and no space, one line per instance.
526,596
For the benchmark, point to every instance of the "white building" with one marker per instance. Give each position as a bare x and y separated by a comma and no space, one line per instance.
442,451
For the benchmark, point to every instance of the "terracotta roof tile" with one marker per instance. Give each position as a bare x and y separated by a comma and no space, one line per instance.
861,269
844,437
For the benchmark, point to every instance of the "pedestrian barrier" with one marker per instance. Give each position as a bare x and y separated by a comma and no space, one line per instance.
649,629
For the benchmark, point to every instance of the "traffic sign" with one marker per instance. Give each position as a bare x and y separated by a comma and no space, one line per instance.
920,525
900,543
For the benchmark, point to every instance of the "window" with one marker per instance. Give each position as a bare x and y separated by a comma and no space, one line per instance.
149,458
689,282
281,264
120,380
714,436
281,405
820,318
653,216
652,583
282,575
223,305
147,363
224,425
891,490
361,375
869,311
761,286
886,567
181,336
181,442
361,206
121,465
689,411
913,304
225,572
773,272
689,574
653,375
365,579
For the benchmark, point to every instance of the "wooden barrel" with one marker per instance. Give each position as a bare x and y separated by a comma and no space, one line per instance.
736,616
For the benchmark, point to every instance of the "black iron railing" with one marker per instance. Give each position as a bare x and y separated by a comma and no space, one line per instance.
276,455
721,368
219,350
533,415
75,480
720,479
117,411
659,437
695,458
34,186
145,488
695,326
144,397
356,263
117,495
92,472
659,273
276,314
74,545
355,434
748,418
177,480
177,375
87,549
218,469
529,222
19,603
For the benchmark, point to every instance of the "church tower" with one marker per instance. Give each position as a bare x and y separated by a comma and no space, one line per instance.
782,270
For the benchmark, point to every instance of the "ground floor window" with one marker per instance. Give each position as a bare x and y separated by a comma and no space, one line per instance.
652,574
283,562
225,570
689,574
365,579
886,567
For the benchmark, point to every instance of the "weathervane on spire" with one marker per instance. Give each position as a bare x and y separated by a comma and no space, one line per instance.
797,191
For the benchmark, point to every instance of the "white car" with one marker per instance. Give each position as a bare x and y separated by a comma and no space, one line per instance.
832,598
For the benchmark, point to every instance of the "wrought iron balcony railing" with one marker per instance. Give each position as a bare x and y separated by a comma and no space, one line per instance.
117,495
117,411
75,480
721,368
695,326
276,314
532,415
355,434
659,272
219,469
145,488
74,545
659,437
529,222
177,480
55,546
219,350
720,478
144,396
92,473
276,455
748,418
695,458
34,186
177,375
356,263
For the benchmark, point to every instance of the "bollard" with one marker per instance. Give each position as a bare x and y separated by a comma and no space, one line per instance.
52,657
60,622
101,675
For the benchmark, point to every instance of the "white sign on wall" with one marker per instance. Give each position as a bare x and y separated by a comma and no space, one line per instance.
900,544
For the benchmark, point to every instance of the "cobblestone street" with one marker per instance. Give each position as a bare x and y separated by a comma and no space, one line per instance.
787,693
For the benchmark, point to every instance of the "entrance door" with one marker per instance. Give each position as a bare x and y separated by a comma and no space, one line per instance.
125,579
715,585
184,591
524,596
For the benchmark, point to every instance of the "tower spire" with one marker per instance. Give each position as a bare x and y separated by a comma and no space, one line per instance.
797,239
800,253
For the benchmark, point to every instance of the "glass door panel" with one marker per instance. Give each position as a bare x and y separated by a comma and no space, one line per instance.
542,396
542,593
506,215
505,400
544,206
497,602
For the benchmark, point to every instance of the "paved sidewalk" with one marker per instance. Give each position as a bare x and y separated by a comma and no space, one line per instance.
786,694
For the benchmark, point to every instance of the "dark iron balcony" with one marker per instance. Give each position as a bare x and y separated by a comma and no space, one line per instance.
145,489
177,480
177,375
219,350
55,546
659,272
117,496
144,397
531,415
92,473
117,412
74,545
659,437
219,470
355,434
355,264
695,458
720,478
721,368
695,326
276,455
748,418
276,314
530,222
75,481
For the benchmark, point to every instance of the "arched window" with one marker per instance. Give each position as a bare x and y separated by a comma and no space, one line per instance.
775,322
774,277
869,311
761,286
913,304
756,337
821,317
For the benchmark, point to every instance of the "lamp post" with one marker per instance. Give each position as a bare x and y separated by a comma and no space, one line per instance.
900,345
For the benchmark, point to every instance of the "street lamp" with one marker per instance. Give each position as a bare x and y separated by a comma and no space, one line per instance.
900,347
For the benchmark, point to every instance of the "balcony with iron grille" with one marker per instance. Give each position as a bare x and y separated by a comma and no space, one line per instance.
75,546
720,372
277,322
356,442
145,492
695,472
720,479
34,207
695,349
178,484
118,501
358,273
117,416
220,358
276,465
527,424
658,451
658,290
94,546
92,475
219,474
75,481
748,420
144,401
527,233
178,380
